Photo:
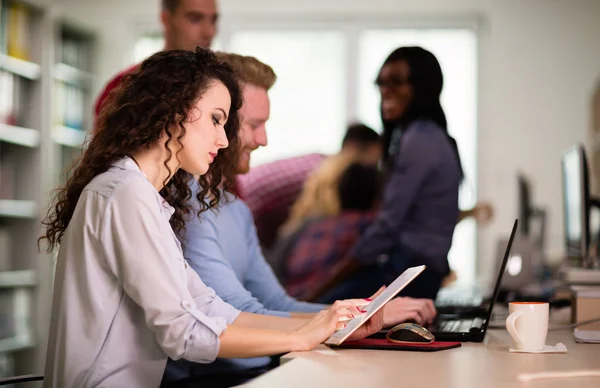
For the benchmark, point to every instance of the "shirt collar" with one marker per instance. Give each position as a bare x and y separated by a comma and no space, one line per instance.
128,164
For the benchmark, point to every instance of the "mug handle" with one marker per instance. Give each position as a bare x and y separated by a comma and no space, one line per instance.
510,326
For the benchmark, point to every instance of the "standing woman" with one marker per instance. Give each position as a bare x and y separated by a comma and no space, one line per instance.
124,298
416,221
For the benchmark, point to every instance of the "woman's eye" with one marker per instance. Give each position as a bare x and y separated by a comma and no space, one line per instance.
215,121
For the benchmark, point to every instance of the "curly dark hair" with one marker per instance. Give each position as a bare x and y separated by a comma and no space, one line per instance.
148,103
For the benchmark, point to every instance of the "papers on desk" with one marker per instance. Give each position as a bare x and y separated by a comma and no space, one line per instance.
587,336
559,348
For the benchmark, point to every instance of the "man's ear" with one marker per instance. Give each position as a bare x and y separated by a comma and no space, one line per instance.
164,18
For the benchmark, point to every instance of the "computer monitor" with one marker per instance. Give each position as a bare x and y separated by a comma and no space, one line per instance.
576,202
532,219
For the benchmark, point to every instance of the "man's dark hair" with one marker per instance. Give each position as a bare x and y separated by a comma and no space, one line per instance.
360,135
170,5
360,187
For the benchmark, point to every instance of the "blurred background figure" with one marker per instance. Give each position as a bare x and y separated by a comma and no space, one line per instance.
186,24
416,221
322,243
272,188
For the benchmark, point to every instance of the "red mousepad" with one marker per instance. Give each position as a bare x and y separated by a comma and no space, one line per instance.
384,344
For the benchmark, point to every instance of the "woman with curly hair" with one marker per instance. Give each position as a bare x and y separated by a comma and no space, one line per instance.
124,298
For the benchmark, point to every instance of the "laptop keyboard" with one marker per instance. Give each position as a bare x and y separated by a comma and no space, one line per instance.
459,325
459,300
451,326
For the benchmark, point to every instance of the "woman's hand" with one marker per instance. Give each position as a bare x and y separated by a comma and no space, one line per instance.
483,212
324,324
372,326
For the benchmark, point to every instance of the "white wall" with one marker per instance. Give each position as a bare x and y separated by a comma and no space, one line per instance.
539,63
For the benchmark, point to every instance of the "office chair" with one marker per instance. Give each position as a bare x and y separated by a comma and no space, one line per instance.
20,379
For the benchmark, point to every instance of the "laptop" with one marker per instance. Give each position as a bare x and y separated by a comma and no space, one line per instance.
473,327
463,300
524,266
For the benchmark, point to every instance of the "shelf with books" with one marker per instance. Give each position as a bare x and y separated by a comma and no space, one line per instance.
69,137
25,137
72,75
72,86
12,344
20,67
27,41
13,208
47,89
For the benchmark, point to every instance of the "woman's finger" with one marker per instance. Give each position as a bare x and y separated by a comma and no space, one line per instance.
338,304
361,303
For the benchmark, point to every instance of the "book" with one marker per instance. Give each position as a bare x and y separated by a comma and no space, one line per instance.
17,31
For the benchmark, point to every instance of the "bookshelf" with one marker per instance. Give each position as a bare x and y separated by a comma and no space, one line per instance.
73,81
46,96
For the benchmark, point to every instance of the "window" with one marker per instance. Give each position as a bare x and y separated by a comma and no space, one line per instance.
153,43
308,99
146,46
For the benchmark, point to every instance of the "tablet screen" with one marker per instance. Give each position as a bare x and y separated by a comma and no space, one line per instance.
394,288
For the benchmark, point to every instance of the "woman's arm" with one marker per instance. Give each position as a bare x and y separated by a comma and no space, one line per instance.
253,335
269,322
244,342
482,211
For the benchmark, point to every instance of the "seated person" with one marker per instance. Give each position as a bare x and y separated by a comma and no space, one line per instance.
319,199
223,248
319,196
325,242
124,298
271,189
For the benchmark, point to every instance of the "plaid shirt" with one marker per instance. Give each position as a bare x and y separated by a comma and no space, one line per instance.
271,189
321,247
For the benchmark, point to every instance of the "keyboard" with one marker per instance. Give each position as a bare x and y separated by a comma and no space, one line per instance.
458,325
459,300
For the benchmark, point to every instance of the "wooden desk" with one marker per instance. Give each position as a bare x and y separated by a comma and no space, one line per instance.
484,365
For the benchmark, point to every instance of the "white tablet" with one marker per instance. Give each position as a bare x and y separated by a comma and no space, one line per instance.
392,290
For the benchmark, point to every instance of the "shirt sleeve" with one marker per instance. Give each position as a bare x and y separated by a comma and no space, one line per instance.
207,300
142,252
204,254
412,165
262,282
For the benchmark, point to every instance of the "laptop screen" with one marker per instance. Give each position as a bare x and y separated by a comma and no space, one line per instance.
500,274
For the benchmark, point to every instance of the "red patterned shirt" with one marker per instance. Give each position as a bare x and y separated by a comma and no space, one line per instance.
320,247
271,189
112,84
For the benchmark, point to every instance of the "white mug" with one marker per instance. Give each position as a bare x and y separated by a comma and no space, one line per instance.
527,324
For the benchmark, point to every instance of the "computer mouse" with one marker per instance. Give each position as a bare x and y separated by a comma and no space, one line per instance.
409,333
